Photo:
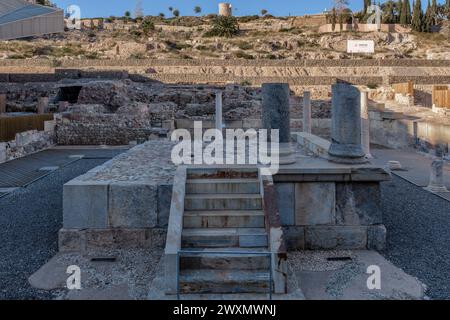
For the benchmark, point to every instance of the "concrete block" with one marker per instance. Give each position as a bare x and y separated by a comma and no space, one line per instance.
118,239
315,203
335,238
358,203
294,237
133,206
286,203
85,205
251,123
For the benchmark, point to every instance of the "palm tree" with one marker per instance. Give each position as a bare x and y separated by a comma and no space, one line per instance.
127,16
263,12
197,9
176,12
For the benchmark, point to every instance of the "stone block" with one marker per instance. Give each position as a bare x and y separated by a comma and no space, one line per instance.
85,205
315,203
335,238
286,203
133,205
70,240
358,203
376,237
49,126
294,237
164,203
118,238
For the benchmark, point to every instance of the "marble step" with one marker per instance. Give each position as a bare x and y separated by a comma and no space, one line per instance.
223,186
224,238
194,202
226,259
224,281
224,219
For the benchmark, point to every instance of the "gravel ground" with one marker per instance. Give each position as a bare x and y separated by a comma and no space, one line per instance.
29,222
418,224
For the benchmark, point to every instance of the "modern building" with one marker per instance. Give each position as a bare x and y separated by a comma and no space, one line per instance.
20,19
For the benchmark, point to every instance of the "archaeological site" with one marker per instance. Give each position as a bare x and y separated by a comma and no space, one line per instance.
225,151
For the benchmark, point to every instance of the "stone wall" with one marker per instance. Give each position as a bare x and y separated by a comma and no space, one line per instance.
331,215
28,142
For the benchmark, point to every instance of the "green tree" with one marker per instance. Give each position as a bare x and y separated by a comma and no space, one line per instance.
127,16
197,9
333,19
408,11
403,14
263,12
161,15
223,26
176,12
427,19
417,17
434,13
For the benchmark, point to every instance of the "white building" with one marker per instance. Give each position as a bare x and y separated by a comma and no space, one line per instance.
20,19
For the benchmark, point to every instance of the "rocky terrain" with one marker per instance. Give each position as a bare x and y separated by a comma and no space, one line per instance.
186,38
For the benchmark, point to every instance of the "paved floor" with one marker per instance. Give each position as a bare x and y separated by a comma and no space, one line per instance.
416,167
30,218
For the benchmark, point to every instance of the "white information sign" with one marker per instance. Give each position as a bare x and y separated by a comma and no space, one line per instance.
360,46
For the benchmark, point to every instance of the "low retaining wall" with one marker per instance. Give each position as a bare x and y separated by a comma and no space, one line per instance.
221,62
28,142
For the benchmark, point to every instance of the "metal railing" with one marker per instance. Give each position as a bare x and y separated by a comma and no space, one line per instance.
190,252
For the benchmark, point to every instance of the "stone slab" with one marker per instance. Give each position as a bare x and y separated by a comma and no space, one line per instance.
358,204
85,205
335,237
132,205
315,203
286,203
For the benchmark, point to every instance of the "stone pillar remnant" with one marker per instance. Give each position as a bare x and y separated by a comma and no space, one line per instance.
2,103
307,112
365,124
437,176
275,115
42,105
219,115
346,125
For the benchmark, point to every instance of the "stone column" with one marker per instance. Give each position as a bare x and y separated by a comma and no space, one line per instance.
437,176
346,125
307,112
276,115
365,124
2,103
42,105
219,116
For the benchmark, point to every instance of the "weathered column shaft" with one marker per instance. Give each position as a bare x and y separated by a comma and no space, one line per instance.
219,115
307,112
346,125
365,124
2,103
275,109
42,105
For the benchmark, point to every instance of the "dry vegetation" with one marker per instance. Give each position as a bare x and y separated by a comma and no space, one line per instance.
187,38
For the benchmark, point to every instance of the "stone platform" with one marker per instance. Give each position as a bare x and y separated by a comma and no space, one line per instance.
126,202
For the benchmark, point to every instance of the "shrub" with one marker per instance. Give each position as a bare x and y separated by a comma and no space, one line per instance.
243,55
223,27
147,25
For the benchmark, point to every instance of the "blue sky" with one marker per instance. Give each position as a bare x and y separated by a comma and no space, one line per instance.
105,8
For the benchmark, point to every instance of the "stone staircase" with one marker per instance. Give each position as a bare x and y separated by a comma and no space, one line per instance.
224,241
